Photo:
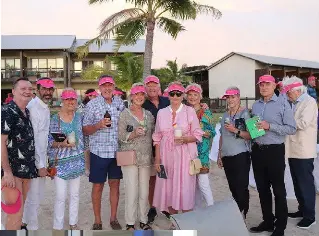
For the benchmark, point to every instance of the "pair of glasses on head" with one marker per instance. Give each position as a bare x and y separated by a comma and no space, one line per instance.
177,93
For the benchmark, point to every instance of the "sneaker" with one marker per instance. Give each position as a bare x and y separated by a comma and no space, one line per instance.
24,226
263,226
295,215
278,232
115,225
306,223
151,215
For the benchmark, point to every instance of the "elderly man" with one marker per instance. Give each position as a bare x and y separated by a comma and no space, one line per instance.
301,149
268,155
311,88
100,122
153,104
40,119
18,161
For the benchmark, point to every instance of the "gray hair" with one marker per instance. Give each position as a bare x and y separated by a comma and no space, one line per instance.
197,86
234,88
175,82
294,79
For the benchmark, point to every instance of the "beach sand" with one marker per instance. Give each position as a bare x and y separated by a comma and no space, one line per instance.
220,192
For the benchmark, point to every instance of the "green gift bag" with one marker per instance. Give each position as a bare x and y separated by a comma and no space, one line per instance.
252,128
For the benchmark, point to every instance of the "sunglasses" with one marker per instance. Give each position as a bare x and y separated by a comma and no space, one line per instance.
173,93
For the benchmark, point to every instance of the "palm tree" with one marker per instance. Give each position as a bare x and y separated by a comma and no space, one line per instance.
130,24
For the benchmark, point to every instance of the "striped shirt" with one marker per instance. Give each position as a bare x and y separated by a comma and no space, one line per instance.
104,142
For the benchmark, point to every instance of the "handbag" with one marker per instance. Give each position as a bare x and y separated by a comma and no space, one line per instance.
52,171
195,164
126,158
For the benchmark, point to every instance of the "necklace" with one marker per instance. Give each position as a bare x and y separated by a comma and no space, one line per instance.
232,118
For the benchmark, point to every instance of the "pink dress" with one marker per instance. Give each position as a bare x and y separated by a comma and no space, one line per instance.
178,191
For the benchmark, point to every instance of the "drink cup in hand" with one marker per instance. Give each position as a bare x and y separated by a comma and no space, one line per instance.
178,133
71,138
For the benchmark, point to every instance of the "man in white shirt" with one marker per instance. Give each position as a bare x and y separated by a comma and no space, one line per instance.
40,119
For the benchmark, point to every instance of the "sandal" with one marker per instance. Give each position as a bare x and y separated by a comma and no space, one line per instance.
74,227
145,226
97,227
130,227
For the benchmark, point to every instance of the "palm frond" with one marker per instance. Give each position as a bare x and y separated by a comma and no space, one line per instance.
179,9
170,26
98,1
208,10
129,32
138,3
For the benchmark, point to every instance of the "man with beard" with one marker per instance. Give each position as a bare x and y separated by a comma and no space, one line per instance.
17,152
40,119
100,122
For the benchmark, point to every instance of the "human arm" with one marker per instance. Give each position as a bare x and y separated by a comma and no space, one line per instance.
307,115
219,158
89,124
8,179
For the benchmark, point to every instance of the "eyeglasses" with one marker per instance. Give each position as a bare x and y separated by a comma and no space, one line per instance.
173,93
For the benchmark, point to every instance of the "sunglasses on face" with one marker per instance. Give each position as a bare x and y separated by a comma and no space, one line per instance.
173,93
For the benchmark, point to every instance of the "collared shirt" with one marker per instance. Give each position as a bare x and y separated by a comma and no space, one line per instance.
299,99
278,113
163,102
20,145
104,142
40,119
312,92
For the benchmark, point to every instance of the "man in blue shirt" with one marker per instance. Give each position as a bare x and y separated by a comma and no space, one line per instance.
268,155
311,87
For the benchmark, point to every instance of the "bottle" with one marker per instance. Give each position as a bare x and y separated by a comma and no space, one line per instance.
108,116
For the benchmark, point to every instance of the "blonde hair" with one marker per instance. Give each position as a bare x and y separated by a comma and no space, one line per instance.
294,79
129,97
197,86
175,82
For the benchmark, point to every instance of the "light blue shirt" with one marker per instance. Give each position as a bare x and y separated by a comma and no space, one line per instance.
279,114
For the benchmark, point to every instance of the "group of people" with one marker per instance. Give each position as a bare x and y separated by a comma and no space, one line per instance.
169,139
164,133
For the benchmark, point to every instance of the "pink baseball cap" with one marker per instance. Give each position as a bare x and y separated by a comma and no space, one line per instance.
15,207
175,87
193,88
94,93
311,78
266,79
106,79
230,92
46,83
138,89
69,94
117,92
290,86
165,94
151,78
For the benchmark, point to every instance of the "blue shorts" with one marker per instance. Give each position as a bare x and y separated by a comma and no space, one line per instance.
103,168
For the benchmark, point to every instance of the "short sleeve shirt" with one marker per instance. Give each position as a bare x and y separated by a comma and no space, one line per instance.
20,145
163,103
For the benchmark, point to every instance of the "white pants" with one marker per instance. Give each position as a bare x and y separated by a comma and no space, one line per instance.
203,190
32,202
136,184
60,197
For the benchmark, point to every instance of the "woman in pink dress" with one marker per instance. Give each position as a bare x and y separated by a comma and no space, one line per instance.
176,133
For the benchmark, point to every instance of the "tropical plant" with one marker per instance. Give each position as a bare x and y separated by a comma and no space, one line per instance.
130,24
92,72
172,73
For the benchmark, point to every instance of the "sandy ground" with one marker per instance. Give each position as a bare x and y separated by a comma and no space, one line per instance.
220,192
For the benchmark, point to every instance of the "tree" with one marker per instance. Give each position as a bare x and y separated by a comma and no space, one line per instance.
93,72
130,24
172,73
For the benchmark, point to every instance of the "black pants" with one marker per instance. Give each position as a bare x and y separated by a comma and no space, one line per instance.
304,185
237,173
269,170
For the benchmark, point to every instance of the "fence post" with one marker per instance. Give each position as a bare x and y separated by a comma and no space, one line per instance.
247,102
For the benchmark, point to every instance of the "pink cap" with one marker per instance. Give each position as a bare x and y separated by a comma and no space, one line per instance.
266,79
67,94
175,87
117,92
193,88
104,80
46,83
280,84
94,93
15,207
151,78
138,89
311,78
230,92
291,86
165,94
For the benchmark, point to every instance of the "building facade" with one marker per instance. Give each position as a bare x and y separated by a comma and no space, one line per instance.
54,56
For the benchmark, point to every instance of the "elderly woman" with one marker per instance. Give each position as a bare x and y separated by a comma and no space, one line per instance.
301,149
176,132
205,117
136,126
234,149
68,157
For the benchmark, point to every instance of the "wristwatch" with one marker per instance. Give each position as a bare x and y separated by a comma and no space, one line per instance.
238,132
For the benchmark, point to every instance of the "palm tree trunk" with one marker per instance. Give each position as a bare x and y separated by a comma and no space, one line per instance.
148,49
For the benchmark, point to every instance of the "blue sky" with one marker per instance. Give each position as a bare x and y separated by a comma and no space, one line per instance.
285,28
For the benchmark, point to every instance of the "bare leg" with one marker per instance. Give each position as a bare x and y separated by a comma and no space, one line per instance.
172,211
114,197
151,190
97,190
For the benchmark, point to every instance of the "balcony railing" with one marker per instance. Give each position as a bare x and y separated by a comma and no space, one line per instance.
10,73
44,72
76,74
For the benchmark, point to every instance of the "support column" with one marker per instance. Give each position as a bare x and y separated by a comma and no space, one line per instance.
69,70
65,70
21,64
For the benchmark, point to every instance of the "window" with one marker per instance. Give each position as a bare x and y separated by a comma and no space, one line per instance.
113,66
99,63
59,63
47,63
77,65
12,63
3,64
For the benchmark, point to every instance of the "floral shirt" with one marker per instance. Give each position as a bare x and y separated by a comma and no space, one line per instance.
20,145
